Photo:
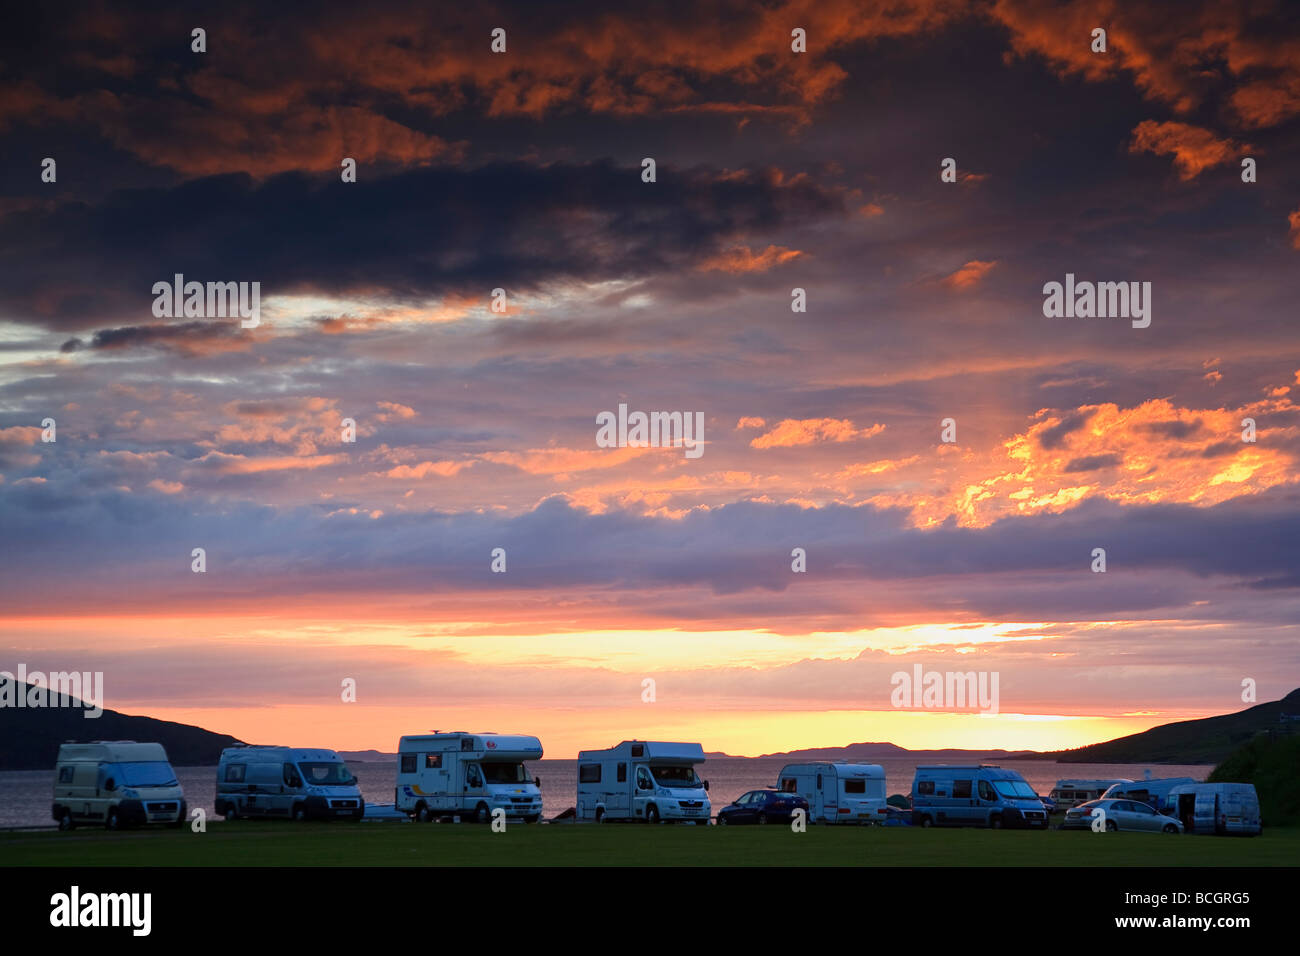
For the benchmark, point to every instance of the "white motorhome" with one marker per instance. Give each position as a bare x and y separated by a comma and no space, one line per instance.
116,783
447,775
838,792
289,783
1216,808
645,780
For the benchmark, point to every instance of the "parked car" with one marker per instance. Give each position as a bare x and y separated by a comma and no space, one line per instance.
1120,815
763,806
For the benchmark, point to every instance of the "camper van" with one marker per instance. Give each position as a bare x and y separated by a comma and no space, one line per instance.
981,795
1216,808
116,784
288,783
838,792
450,775
1154,792
1071,793
643,780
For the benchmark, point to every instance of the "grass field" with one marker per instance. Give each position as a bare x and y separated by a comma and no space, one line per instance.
247,843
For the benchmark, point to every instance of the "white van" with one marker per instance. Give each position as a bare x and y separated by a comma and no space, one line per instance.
288,783
116,783
643,780
1216,808
446,775
838,792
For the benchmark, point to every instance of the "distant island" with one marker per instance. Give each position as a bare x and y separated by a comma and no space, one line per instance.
30,739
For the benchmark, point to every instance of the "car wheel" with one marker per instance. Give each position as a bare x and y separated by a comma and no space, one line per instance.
1112,826
532,818
652,814
722,821
1170,828
66,822
111,822
481,813
762,818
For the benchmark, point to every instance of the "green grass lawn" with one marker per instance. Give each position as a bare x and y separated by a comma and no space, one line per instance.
249,843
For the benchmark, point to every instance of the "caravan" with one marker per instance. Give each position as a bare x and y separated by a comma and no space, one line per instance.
1217,808
116,783
288,783
975,796
643,780
838,792
1071,793
447,775
1154,792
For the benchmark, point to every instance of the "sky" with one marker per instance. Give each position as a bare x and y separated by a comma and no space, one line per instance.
653,592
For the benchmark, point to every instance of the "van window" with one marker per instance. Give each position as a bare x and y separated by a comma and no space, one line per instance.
467,743
925,788
622,773
855,786
235,772
819,781
291,778
789,785
643,781
986,791
961,789
638,750
65,775
588,773
473,776
408,763
432,761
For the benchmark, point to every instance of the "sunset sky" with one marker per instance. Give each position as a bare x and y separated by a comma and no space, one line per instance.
476,429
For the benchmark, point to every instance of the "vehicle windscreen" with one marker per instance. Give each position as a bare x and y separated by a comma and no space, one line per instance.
669,776
1015,788
326,774
147,773
506,773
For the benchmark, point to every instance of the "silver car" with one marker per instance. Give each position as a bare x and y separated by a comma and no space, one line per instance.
1119,815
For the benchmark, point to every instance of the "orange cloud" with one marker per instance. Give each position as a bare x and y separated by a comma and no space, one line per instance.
970,274
743,259
1194,149
445,469
806,431
1294,220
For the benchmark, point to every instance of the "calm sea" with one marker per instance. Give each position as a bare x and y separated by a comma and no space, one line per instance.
25,794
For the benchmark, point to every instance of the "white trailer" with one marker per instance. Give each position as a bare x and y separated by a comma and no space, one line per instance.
838,792
450,775
647,780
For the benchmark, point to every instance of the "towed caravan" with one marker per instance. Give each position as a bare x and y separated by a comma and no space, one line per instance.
1217,808
838,792
1072,792
116,783
645,780
289,783
447,775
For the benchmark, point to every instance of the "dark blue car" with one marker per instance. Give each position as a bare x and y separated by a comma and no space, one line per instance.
762,806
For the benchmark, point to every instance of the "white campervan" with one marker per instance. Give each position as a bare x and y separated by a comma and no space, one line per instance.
291,783
838,792
117,783
643,780
1216,808
441,775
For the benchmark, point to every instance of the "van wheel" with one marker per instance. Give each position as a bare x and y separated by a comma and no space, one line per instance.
66,822
299,813
600,814
652,814
111,822
1170,828
481,813
926,823
231,812
995,822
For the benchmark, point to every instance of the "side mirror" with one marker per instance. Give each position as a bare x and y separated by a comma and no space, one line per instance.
537,782
706,785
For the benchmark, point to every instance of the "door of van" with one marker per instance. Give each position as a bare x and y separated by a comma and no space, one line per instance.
987,800
964,806
474,787
643,789
292,790
618,795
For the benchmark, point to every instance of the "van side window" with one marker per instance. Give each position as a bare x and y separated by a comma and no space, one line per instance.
855,786
961,788
473,776
986,791
622,773
643,781
235,773
925,788
65,775
467,743
788,785
638,750
589,773
432,761
408,763
819,781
